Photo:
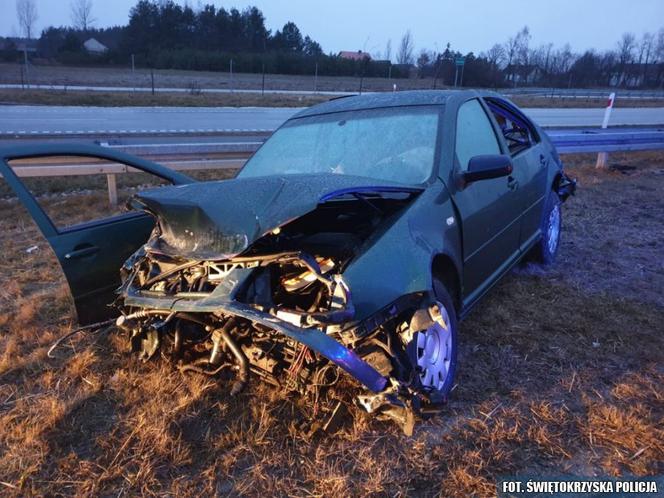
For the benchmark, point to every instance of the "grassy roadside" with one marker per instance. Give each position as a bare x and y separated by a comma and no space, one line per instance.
145,99
142,99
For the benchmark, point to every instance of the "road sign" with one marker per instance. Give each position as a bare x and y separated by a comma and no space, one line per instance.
458,63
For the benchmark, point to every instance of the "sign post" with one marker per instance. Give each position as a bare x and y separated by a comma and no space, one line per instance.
459,62
603,157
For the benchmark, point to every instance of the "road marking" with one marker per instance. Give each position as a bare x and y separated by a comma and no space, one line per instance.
136,131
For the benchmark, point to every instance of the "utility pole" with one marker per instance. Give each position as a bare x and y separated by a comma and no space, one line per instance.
25,60
263,81
316,78
231,75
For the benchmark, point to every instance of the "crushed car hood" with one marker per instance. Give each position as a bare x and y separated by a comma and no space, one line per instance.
220,219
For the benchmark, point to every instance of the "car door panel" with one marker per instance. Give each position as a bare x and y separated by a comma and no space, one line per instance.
530,169
90,254
489,209
91,259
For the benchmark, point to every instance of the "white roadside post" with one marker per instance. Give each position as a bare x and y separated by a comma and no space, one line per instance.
603,157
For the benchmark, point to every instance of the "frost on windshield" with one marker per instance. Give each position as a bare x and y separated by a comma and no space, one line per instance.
395,144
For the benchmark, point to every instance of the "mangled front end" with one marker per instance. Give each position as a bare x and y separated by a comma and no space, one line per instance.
256,288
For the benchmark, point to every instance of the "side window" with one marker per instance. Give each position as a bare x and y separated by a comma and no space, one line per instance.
474,133
517,131
73,190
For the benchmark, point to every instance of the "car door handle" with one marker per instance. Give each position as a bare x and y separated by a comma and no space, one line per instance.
543,160
82,252
512,183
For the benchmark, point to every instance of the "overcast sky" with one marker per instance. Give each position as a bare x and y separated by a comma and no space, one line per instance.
469,25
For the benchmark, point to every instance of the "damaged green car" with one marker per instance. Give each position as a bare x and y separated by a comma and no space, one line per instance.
353,240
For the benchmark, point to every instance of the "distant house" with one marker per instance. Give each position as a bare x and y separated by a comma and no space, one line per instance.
522,75
19,44
356,56
94,46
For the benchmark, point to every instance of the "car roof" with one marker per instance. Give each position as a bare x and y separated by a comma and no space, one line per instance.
389,99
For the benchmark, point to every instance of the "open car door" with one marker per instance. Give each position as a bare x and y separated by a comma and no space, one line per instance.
91,253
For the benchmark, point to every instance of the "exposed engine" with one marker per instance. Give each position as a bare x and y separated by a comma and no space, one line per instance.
292,276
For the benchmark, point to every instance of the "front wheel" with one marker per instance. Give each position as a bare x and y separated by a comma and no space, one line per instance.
433,348
546,250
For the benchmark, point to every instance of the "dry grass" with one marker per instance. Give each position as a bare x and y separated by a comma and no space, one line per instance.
143,99
128,99
561,371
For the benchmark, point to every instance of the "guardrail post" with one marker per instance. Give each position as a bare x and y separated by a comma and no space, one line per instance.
603,157
112,189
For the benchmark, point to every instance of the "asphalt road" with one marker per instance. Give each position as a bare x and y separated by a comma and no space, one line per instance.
56,120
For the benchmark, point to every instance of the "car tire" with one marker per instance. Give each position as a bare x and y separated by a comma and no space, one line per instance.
417,350
546,249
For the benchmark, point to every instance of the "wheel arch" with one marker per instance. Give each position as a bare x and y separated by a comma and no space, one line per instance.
444,269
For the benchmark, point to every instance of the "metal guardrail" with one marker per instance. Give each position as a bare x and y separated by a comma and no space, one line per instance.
565,141
612,141
225,155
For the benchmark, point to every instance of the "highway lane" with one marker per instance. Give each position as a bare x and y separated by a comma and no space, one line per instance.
65,120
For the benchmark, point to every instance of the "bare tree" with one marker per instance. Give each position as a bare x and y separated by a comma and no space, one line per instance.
523,52
423,60
388,50
626,47
511,49
646,51
26,11
406,48
495,56
81,14
659,55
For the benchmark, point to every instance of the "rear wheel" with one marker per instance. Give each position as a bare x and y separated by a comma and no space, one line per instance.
546,250
433,349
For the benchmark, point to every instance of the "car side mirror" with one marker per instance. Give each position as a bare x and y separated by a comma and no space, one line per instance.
486,167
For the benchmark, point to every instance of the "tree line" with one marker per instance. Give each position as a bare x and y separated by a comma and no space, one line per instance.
633,63
163,34
166,35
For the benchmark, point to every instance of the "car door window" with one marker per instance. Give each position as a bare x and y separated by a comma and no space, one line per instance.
474,133
517,131
73,190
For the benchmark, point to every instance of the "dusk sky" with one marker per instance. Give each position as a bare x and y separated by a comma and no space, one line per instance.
469,25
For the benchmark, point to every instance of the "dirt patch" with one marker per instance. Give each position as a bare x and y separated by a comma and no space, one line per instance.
561,371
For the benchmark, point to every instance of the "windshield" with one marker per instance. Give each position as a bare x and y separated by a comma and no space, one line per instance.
395,144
